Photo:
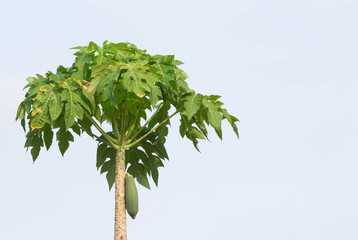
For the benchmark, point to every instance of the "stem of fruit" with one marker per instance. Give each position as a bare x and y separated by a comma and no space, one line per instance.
120,225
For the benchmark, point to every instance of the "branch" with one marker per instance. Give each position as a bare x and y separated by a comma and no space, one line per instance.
152,130
145,124
105,135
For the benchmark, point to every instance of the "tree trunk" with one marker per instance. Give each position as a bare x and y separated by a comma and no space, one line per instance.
120,225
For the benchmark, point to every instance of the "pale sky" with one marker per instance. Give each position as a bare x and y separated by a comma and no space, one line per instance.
286,69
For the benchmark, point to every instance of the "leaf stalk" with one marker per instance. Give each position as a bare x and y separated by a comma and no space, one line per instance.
146,123
152,130
105,135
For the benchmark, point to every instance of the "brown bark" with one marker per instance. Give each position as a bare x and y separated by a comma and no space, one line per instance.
120,225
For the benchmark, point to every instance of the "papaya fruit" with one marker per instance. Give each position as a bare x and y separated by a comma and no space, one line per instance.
131,196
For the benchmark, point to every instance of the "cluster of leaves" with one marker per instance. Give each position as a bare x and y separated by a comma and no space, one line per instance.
142,160
54,101
118,83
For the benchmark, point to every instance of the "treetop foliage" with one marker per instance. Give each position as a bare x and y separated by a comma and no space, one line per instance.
120,84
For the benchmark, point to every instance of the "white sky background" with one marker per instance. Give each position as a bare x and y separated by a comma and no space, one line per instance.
286,69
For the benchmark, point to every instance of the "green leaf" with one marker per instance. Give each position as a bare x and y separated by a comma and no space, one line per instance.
110,168
76,129
160,149
20,114
108,93
89,99
27,105
151,162
183,127
165,70
161,115
214,115
23,124
214,118
192,133
195,133
155,95
72,107
86,126
202,128
107,80
55,107
103,153
192,105
83,60
231,119
137,79
111,177
102,75
100,58
180,77
138,170
154,163
48,136
63,137
35,141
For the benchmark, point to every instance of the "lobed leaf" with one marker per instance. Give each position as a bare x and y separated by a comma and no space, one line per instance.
63,137
192,104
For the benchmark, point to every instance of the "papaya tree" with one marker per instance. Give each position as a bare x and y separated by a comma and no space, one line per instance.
133,92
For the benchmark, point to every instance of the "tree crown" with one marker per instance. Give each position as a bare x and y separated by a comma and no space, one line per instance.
119,84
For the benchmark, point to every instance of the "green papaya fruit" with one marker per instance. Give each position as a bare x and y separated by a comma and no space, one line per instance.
131,196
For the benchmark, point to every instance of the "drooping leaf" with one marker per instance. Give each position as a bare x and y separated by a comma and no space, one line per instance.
191,105
183,126
103,153
109,167
152,162
161,116
86,126
34,140
214,115
76,129
192,133
231,119
110,176
160,149
155,163
20,114
63,137
195,133
48,136
137,169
